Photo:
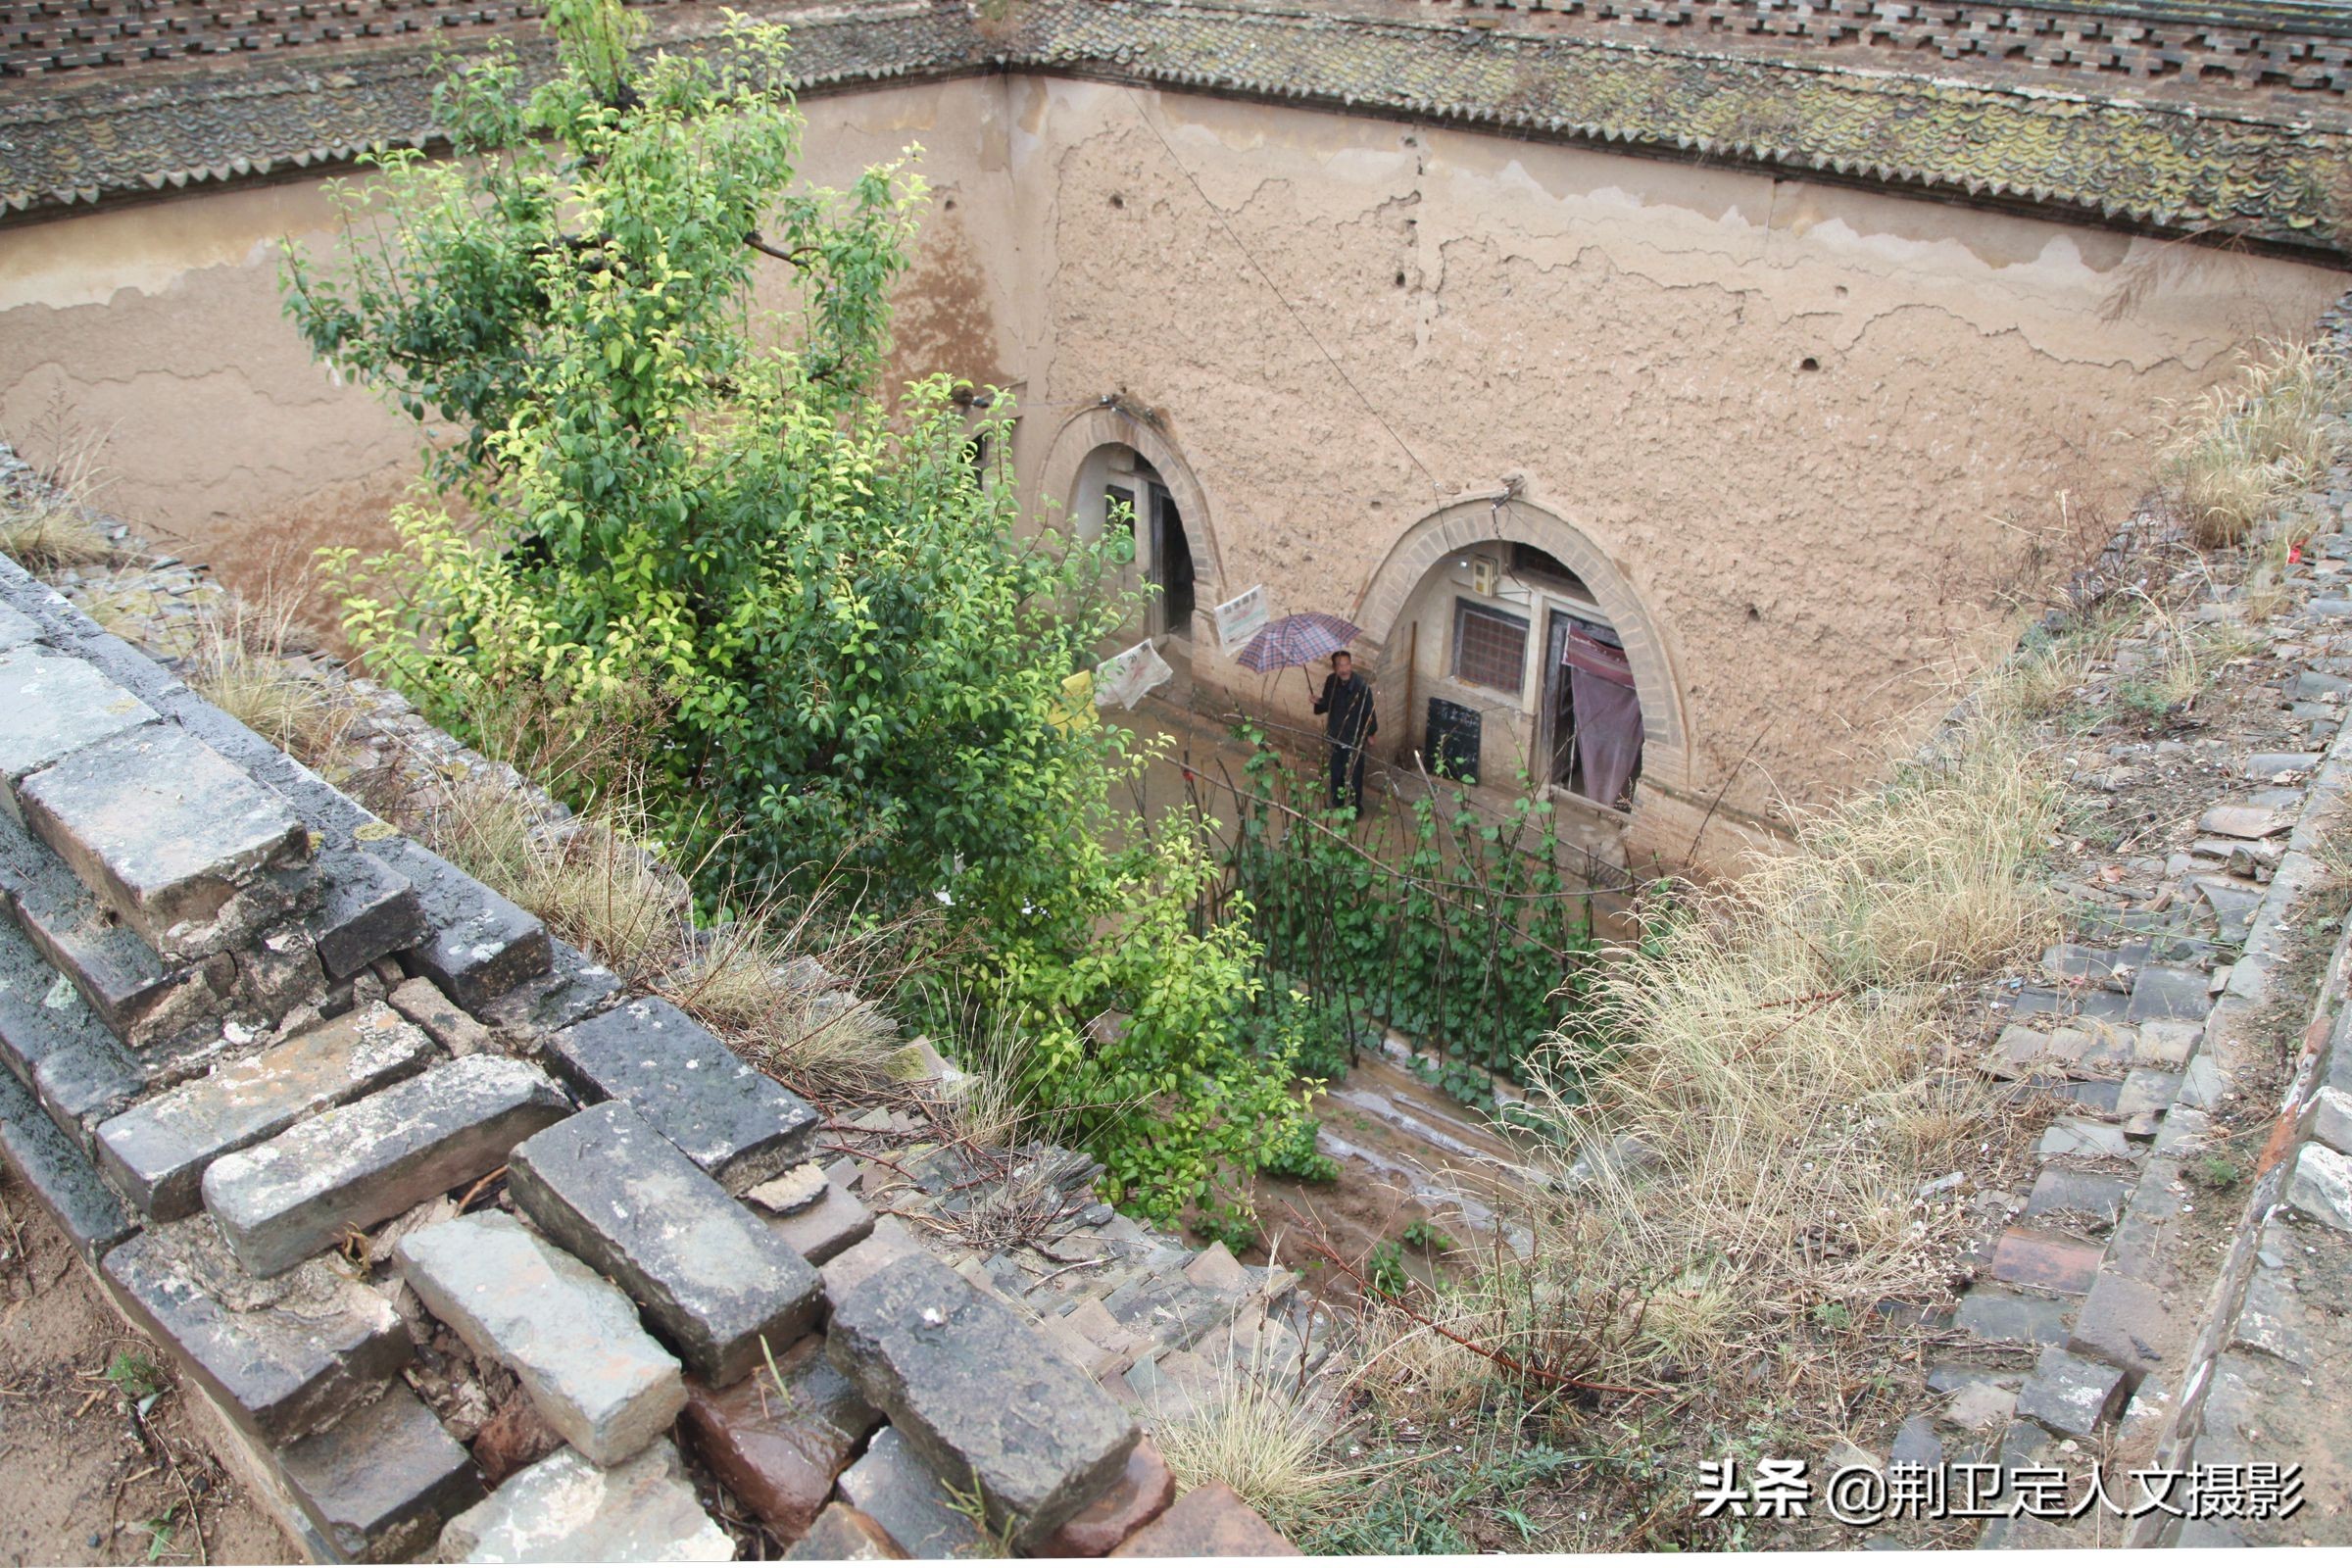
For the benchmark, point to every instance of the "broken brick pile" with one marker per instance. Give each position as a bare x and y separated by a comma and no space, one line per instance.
324,1113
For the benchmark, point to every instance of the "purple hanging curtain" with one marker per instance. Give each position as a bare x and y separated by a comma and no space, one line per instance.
1582,651
1608,715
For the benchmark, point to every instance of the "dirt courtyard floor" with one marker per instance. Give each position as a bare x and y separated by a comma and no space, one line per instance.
99,1462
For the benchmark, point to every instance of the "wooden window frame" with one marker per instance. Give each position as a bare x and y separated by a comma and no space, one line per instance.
1463,609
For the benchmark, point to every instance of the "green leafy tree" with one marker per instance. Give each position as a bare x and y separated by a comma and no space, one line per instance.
1138,1010
854,659
654,499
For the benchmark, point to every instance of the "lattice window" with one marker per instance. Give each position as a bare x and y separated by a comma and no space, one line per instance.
1489,647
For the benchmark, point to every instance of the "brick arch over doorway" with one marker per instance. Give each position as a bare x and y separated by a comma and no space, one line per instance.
1108,425
1427,543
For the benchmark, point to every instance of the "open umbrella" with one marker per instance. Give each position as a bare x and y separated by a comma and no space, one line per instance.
1299,640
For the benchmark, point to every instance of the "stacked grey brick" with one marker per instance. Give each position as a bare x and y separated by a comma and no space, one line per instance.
2278,1319
246,1021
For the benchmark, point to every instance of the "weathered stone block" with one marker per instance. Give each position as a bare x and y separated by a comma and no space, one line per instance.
2165,1043
140,999
2320,1186
478,944
52,1042
730,1118
1211,1521
842,1534
1991,1314
1215,1269
51,706
2146,1091
366,911
2160,992
889,1241
453,1029
157,1152
2083,1140
1915,1444
2069,1395
17,629
173,838
800,1188
712,1278
779,1449
572,1340
901,1492
565,1509
90,1215
1981,1406
1040,1443
2023,1256
2244,821
1145,1489
279,973
573,986
2057,1191
827,1227
380,1483
2331,1119
286,1358
283,1199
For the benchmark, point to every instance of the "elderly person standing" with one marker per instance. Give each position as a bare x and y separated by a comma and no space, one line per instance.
1348,726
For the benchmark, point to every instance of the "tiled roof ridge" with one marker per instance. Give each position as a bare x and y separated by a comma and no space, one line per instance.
2327,16
1877,76
2275,222
2172,168
305,72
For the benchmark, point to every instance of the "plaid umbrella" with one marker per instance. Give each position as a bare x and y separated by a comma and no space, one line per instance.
1296,640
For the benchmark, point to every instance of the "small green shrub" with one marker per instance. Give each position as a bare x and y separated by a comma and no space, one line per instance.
1426,1237
1228,1223
2216,1173
1298,1158
1137,1011
1458,929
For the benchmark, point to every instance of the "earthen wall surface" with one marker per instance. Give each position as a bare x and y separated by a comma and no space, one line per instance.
1815,431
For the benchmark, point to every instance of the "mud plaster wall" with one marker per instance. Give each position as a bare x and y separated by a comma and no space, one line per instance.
156,333
1811,547
1815,547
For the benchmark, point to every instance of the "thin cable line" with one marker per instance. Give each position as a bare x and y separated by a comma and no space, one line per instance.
1282,300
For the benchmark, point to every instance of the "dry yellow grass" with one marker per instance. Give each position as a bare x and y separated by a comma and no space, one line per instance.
1753,1150
1271,1439
45,527
238,661
2246,446
600,882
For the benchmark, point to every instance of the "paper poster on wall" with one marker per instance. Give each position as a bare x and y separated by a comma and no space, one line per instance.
1124,678
1242,617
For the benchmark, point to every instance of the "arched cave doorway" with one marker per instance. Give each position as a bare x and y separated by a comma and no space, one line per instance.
1509,643
1118,487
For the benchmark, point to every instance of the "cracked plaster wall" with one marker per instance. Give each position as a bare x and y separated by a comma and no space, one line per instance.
1816,549
156,332
1813,549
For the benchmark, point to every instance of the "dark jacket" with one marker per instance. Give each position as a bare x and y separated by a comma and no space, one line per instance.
1348,718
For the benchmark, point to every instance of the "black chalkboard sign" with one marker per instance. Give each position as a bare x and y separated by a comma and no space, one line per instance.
1454,740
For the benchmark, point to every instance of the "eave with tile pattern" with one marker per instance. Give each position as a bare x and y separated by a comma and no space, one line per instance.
2235,171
